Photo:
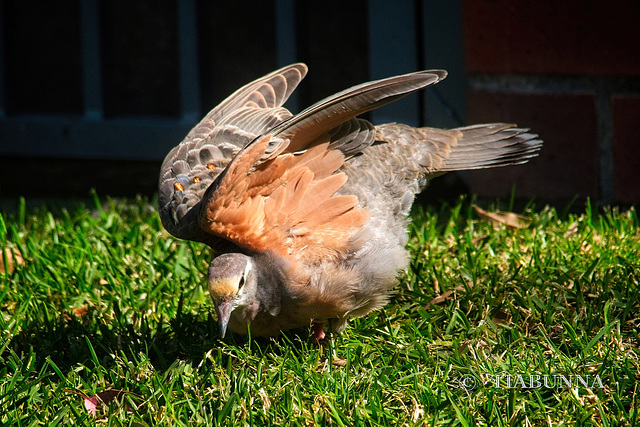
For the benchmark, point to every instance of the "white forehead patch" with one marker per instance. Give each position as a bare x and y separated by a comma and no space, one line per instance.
247,268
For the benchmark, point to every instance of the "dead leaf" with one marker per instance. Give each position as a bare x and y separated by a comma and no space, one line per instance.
448,295
444,296
463,348
501,318
509,219
14,258
341,363
92,403
476,240
80,311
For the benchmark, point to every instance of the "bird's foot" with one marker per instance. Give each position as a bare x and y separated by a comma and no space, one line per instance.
324,340
317,332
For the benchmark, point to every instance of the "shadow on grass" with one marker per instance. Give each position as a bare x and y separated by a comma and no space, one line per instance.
69,340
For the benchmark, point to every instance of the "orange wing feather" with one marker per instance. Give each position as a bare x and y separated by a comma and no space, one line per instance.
286,204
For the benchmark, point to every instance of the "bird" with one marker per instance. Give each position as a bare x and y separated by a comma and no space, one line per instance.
306,214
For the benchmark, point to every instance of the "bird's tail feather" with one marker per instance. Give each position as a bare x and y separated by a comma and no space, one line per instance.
491,145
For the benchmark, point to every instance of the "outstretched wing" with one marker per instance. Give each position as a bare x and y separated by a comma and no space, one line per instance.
338,111
193,165
278,193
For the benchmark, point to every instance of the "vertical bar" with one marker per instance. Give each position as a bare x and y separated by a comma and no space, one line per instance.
286,41
286,32
3,52
392,51
189,63
604,134
442,35
91,64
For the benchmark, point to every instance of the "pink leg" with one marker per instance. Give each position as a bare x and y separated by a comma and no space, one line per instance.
317,331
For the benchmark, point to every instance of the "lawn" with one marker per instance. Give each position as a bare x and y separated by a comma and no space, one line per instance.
492,325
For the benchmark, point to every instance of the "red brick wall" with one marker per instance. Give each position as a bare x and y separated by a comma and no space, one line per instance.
571,72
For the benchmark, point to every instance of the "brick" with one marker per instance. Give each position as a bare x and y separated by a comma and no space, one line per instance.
568,37
626,148
567,165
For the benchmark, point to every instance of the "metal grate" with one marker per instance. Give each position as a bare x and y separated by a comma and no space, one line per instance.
95,127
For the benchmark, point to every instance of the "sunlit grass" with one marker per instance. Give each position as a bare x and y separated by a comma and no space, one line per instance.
105,299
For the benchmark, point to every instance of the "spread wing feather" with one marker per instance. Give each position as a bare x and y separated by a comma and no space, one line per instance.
200,158
278,193
269,91
304,128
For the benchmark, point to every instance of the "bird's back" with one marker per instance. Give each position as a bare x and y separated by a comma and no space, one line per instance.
403,159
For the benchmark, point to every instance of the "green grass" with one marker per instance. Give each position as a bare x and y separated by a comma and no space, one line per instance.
559,297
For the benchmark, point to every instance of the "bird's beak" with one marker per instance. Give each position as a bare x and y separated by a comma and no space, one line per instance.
223,308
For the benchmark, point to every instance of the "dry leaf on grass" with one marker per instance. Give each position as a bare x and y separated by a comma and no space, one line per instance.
14,258
80,311
340,363
509,219
501,318
92,403
447,295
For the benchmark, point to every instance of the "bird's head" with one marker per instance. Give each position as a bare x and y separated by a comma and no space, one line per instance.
232,283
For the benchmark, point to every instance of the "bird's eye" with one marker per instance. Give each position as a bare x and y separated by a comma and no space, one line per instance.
241,282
